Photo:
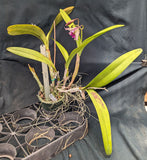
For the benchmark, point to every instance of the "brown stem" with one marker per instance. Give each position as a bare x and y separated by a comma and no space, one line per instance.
69,90
49,54
54,43
75,70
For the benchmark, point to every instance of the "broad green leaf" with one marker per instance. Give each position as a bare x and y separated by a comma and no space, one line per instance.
62,50
87,41
20,29
58,19
104,119
114,69
31,54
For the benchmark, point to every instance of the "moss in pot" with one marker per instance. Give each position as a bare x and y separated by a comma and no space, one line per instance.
66,90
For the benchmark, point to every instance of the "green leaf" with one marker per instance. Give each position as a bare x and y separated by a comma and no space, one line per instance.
65,16
58,19
104,119
21,29
62,50
87,41
31,54
114,69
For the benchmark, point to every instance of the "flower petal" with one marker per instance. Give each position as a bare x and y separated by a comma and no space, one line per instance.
71,21
74,32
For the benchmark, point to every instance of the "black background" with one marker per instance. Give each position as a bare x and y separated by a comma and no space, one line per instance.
126,94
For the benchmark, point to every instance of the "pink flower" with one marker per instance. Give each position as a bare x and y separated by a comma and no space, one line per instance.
73,31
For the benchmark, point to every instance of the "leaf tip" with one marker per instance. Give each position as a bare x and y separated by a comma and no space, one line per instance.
139,50
31,68
121,25
109,151
8,48
71,8
9,30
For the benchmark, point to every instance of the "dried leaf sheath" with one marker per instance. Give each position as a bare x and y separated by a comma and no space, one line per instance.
36,78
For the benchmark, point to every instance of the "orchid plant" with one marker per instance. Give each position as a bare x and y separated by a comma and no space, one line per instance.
66,84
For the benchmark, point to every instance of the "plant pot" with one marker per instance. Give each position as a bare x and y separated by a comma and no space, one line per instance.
50,105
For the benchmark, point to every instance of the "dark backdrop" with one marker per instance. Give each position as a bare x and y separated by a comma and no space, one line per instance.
125,97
